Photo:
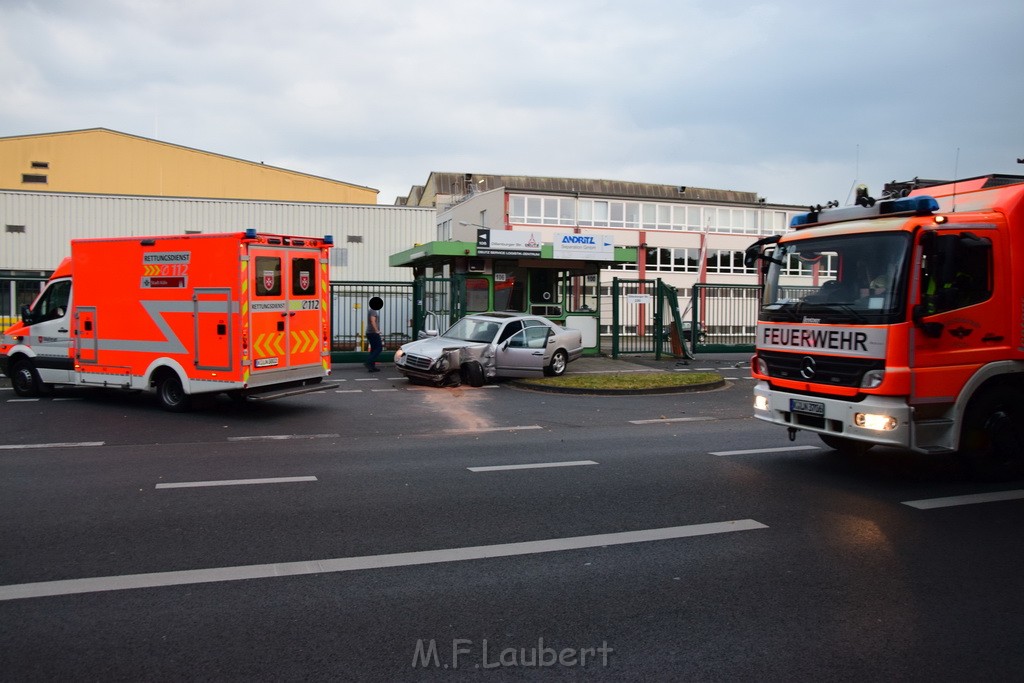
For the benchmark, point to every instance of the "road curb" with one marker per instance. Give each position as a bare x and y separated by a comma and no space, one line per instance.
681,389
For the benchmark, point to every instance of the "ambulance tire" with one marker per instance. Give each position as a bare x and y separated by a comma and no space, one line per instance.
992,439
472,374
847,447
171,393
24,378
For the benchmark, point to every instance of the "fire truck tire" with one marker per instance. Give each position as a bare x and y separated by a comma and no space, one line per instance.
559,361
472,374
845,446
992,439
172,394
24,378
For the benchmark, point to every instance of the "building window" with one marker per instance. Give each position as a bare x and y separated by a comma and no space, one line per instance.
40,164
15,228
33,178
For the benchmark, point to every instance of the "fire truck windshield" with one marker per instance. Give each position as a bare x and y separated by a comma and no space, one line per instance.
849,279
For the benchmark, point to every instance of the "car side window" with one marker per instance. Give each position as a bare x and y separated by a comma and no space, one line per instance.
537,337
518,340
510,329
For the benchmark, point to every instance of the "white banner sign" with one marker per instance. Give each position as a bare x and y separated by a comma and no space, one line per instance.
583,247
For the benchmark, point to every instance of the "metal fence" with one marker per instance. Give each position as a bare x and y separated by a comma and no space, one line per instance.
350,305
725,316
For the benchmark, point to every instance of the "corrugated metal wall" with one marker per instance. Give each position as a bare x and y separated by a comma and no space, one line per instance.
364,235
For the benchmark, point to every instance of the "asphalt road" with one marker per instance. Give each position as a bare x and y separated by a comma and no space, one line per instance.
377,531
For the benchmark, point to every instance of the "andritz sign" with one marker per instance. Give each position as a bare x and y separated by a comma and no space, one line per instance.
585,247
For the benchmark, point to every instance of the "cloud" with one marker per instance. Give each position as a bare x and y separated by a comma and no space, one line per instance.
795,100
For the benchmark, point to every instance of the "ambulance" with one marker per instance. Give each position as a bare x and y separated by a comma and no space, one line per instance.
900,322
245,314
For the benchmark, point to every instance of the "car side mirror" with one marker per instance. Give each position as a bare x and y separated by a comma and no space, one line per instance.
427,333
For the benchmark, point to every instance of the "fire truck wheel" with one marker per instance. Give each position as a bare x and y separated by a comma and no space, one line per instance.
992,440
171,394
24,378
473,374
845,446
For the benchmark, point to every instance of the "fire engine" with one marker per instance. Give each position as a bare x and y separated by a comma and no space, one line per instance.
900,322
242,313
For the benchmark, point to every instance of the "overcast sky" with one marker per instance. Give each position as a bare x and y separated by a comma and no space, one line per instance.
793,100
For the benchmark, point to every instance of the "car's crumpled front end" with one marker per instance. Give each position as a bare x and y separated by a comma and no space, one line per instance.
436,362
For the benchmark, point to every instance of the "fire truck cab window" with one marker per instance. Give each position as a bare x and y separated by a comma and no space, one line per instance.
956,272
303,277
267,274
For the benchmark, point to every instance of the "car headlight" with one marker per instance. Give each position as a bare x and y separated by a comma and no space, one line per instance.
399,354
442,363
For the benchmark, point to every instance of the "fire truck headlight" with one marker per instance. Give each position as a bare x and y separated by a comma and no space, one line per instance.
762,366
760,403
878,423
872,379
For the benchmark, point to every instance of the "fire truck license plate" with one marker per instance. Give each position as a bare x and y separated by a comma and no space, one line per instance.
797,405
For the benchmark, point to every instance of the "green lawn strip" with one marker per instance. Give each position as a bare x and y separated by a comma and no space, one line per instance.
626,380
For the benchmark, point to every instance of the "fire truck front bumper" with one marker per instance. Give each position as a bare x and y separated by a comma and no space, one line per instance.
882,420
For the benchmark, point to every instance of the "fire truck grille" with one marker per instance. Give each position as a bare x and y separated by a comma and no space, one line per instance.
418,362
840,372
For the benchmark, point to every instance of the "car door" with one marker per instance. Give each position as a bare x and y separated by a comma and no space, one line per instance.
521,354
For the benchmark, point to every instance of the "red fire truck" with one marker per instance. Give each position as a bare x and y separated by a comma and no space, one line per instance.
900,322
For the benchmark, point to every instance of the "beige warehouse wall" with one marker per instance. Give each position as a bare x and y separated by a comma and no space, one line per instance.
100,161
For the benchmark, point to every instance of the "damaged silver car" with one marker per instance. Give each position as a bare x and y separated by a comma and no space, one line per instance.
483,346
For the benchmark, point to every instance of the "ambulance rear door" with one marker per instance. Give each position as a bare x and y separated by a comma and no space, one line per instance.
286,308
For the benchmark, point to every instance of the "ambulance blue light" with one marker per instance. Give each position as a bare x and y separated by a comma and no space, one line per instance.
917,205
328,239
250,233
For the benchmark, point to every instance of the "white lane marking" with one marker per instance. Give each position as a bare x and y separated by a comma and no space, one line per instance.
381,391
348,391
477,430
768,450
283,437
951,501
345,564
22,400
233,482
368,379
77,444
538,465
670,419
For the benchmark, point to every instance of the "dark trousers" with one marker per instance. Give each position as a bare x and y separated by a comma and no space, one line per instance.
376,346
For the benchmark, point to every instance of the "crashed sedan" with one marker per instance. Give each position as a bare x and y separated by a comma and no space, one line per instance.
483,346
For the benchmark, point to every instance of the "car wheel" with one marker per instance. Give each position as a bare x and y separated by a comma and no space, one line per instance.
845,446
993,434
172,394
472,374
24,378
559,361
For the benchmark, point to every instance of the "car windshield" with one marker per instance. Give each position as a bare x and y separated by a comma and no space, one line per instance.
853,278
471,329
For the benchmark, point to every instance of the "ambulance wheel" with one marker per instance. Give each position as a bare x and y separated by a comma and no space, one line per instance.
559,361
473,374
845,446
172,394
992,440
24,378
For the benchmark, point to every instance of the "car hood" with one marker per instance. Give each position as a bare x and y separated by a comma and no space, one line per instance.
433,347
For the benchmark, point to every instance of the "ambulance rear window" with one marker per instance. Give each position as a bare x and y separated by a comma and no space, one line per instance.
268,276
303,280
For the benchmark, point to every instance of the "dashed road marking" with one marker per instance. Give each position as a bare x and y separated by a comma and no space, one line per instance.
532,466
952,501
786,449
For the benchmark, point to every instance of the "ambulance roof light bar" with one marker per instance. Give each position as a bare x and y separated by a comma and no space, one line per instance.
906,206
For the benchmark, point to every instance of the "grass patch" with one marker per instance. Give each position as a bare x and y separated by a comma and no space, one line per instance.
626,380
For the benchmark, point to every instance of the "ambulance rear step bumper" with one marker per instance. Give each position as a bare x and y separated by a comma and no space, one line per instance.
284,390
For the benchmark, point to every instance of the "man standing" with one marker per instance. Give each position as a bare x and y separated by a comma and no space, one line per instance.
373,333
